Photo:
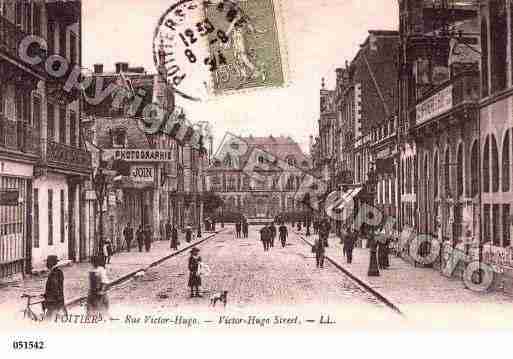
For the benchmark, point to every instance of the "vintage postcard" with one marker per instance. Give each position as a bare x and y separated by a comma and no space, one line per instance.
251,166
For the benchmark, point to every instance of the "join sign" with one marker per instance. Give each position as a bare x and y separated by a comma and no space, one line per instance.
142,173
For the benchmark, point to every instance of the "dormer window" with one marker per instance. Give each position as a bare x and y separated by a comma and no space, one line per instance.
291,161
119,137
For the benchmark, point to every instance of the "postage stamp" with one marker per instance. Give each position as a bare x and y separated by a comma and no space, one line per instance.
214,47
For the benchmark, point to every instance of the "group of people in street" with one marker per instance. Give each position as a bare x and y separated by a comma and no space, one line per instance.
242,228
210,225
268,235
143,236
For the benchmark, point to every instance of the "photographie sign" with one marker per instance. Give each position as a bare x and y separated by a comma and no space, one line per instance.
143,155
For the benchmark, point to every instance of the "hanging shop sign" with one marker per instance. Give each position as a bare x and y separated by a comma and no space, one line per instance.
141,155
434,105
142,173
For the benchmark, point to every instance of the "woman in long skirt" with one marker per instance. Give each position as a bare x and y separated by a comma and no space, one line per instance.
194,277
97,300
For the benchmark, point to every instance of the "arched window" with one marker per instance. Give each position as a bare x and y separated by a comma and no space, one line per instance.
486,165
495,166
474,170
505,164
447,172
459,171
435,175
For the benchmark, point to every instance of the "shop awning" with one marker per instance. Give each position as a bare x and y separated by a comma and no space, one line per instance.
347,197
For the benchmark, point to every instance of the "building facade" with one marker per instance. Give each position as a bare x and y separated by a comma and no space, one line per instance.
269,195
42,157
166,177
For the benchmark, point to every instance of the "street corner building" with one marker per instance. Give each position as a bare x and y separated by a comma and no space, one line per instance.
43,161
262,190
163,178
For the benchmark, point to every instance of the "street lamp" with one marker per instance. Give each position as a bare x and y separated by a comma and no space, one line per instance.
373,245
100,188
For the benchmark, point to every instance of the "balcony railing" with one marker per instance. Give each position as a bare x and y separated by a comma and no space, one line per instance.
463,89
19,136
68,156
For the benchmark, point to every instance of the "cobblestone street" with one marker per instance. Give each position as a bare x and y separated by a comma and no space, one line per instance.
281,279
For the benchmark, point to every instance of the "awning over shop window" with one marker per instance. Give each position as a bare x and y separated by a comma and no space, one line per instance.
347,197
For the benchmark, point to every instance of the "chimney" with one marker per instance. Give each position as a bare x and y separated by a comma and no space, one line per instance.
124,66
98,68
119,67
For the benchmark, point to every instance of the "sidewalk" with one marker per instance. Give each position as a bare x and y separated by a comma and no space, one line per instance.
405,285
76,280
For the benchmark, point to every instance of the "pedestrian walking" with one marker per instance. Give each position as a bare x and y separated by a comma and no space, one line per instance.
283,234
188,234
319,249
383,250
128,233
213,225
147,238
237,229
107,250
174,238
194,277
273,230
299,226
139,236
264,237
245,229
54,290
97,300
168,230
349,241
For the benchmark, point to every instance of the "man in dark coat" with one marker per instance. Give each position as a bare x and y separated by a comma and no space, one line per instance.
188,234
139,236
54,290
168,229
128,233
283,235
264,237
174,238
237,229
273,230
245,228
147,238
320,250
349,241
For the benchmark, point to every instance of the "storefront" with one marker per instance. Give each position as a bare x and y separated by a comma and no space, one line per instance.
15,218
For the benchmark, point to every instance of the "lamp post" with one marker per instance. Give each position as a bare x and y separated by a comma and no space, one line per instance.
373,245
100,188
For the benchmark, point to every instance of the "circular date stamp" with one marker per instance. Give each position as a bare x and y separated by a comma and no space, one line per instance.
190,43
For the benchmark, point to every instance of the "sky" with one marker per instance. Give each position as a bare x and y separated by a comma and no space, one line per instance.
319,36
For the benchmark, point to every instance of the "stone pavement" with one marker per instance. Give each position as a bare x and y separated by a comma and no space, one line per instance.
76,276
407,286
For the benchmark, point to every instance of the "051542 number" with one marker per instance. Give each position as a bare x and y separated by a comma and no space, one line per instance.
28,345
